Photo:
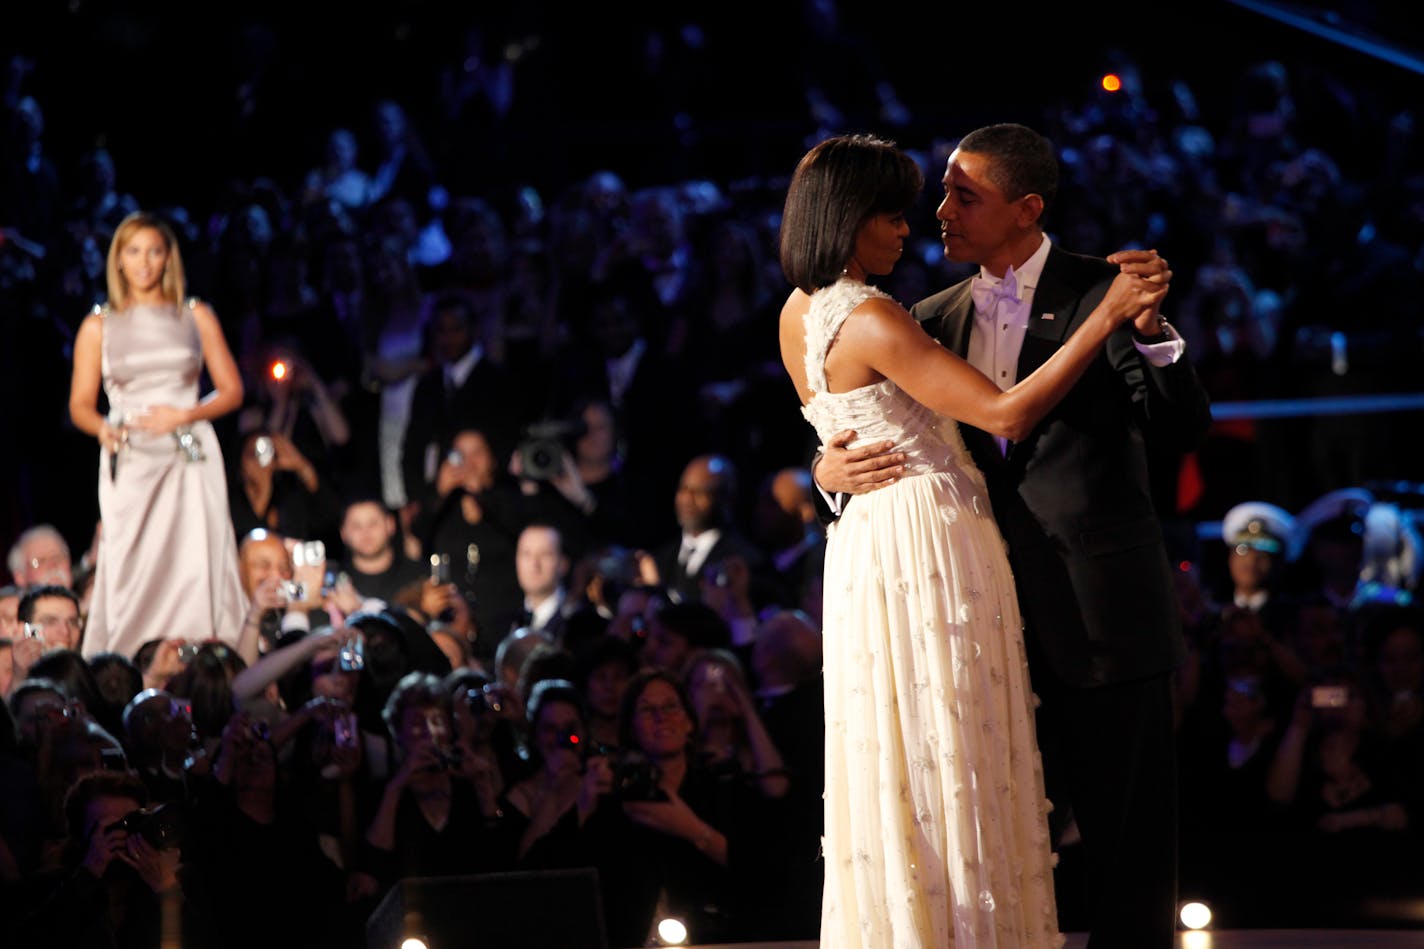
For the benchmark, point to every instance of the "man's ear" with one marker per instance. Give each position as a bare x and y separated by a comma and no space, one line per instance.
1030,209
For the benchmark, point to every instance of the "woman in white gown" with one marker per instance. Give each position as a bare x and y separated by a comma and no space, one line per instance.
936,831
167,564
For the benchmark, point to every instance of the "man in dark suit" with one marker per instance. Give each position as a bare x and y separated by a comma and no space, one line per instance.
463,390
621,364
704,502
1074,502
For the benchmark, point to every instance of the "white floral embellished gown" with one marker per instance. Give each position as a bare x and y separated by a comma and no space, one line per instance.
936,829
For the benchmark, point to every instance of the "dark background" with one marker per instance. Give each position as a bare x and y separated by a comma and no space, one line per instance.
188,96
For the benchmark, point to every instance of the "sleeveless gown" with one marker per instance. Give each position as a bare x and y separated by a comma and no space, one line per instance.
936,829
167,563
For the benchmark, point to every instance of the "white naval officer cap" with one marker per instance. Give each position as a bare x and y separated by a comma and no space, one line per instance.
1257,525
1337,515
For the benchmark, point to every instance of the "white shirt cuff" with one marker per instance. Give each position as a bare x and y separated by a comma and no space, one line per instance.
1167,351
834,502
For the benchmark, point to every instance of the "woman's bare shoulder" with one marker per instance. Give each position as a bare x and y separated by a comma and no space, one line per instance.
93,322
797,303
878,315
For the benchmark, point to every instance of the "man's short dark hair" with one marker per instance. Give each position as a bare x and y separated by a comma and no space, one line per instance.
25,612
457,303
365,498
1024,162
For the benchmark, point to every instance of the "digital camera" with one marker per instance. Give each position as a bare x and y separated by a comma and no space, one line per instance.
309,553
485,699
160,825
265,451
440,568
636,778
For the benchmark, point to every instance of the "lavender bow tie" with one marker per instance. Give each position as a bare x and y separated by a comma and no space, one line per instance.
988,293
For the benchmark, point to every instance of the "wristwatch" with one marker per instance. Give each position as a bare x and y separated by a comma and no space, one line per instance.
1163,334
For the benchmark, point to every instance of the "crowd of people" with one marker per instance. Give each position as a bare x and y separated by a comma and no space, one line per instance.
527,547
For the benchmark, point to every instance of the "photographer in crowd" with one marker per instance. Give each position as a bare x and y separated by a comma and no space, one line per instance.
118,882
655,822
439,813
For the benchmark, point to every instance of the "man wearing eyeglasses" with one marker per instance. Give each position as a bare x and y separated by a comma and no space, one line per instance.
48,618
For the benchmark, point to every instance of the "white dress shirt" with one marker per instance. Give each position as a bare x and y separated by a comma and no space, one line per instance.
996,354
697,548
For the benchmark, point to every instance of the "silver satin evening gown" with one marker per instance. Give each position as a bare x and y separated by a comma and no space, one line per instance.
167,564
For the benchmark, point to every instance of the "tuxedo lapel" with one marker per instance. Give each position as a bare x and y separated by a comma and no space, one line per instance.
955,320
1048,324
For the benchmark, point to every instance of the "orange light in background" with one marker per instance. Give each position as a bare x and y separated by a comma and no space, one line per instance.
1111,83
279,370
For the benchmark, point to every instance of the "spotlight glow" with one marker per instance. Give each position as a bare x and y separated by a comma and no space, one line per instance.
1195,915
1111,83
672,932
414,942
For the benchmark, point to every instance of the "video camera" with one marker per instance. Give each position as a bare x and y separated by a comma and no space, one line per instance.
635,776
544,445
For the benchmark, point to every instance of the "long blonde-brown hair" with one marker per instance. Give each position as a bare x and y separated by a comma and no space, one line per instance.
174,285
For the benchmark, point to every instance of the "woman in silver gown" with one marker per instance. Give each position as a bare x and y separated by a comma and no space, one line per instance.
167,562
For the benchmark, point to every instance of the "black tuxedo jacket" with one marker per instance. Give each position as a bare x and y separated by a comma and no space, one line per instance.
1074,499
730,543
655,421
490,400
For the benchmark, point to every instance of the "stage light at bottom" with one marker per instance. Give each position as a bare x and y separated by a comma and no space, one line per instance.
414,942
672,931
1195,915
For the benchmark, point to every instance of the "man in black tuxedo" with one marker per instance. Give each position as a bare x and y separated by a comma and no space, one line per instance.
704,502
1074,502
465,389
621,363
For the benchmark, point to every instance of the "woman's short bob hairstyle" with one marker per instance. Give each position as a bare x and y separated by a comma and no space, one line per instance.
837,187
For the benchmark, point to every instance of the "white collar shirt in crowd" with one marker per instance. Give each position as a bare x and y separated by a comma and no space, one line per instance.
696,548
458,371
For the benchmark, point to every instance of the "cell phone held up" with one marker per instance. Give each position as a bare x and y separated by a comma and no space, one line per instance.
352,657
440,569
1329,696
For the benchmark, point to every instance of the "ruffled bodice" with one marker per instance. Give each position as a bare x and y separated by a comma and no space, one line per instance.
878,411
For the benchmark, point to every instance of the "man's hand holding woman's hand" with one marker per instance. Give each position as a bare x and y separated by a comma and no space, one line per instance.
1152,268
